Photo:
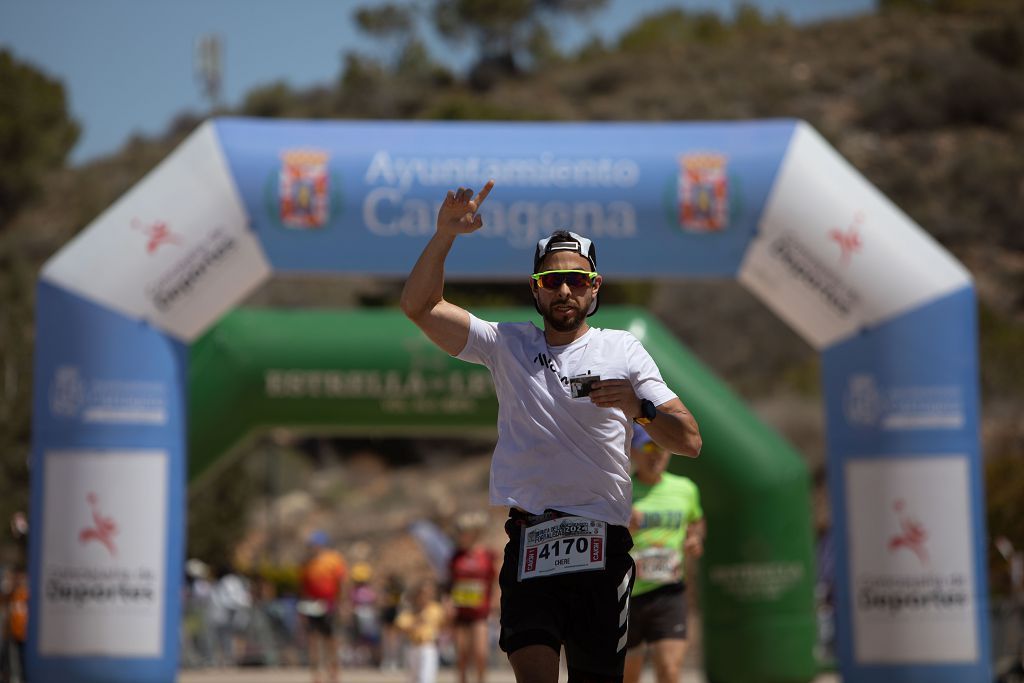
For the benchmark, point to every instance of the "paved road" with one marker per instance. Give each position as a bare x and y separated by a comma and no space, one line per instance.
497,675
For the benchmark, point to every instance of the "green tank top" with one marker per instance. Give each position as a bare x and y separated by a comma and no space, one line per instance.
668,508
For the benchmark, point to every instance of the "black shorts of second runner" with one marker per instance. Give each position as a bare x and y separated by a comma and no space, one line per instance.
584,611
659,614
322,624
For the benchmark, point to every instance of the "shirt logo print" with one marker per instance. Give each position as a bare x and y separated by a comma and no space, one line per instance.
544,360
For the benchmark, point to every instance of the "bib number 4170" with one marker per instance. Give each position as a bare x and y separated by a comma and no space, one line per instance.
563,545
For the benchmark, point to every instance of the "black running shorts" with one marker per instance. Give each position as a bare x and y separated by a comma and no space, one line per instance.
322,624
659,614
584,611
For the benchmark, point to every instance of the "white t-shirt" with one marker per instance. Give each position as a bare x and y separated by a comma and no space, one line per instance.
555,451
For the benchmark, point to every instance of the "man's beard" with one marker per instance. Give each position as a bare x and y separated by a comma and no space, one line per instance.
570,324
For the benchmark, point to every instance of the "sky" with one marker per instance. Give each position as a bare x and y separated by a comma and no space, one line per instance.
128,65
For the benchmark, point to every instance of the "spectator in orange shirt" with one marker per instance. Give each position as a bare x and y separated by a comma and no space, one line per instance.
15,626
323,578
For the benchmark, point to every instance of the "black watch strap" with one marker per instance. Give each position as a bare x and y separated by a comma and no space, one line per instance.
648,411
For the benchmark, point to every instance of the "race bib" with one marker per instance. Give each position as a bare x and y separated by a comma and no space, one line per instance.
469,593
657,565
562,546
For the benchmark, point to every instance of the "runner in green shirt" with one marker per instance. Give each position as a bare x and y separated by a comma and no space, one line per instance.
666,522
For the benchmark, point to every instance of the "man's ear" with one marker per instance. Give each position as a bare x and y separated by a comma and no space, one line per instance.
597,283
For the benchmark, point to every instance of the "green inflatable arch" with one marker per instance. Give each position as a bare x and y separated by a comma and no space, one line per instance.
371,372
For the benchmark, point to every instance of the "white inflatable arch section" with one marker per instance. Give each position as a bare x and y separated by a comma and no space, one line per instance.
768,202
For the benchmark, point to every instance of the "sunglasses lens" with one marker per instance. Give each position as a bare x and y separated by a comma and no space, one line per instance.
551,280
555,280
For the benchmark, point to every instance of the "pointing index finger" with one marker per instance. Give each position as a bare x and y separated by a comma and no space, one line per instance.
483,193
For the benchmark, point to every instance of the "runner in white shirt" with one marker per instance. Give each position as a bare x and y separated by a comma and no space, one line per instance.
568,397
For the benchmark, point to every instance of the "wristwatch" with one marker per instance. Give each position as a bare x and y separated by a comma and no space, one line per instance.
648,412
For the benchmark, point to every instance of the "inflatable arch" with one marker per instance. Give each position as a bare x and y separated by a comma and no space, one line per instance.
768,202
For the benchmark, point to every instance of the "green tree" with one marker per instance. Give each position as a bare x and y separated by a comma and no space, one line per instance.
36,132
17,275
509,35
392,24
946,6
276,100
385,20
541,47
504,29
675,27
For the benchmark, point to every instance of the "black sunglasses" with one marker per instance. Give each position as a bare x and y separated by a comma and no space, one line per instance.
553,279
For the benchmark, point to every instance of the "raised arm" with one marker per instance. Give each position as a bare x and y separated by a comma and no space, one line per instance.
446,324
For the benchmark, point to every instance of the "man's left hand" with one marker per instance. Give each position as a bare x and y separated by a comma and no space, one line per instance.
616,393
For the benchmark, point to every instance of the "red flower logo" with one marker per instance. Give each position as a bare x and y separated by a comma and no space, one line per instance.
912,534
103,530
158,233
849,239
